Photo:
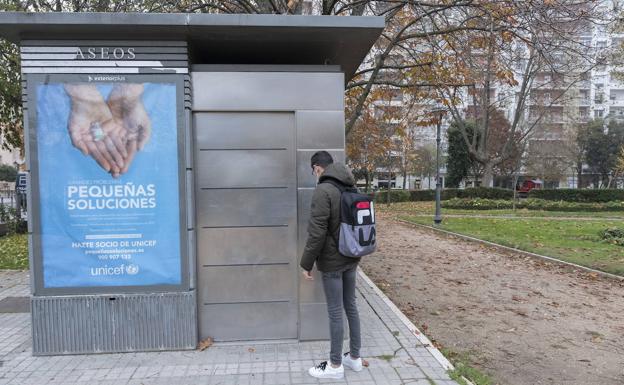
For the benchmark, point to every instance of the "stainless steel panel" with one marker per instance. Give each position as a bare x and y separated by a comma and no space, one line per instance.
252,321
246,213
308,291
314,322
320,129
189,150
267,91
245,207
192,258
304,199
312,292
304,171
243,130
255,283
245,168
245,245
31,260
190,200
113,323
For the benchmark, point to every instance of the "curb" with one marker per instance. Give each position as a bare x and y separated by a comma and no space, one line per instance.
514,250
446,364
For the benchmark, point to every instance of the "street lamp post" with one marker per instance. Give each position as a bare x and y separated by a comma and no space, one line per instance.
439,112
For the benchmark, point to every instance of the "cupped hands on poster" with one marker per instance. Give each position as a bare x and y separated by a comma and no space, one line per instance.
110,131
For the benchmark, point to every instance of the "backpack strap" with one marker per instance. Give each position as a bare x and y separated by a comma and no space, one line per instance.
342,188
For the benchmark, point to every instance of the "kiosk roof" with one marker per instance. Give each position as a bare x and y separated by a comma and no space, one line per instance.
215,38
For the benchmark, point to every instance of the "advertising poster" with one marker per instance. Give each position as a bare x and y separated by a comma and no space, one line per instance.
108,183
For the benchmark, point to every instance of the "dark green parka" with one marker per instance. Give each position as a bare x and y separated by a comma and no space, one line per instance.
324,224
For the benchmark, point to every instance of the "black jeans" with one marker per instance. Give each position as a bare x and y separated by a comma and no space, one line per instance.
340,290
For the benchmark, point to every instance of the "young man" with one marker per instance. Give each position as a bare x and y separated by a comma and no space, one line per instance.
337,270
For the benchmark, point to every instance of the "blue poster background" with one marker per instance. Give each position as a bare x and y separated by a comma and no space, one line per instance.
71,257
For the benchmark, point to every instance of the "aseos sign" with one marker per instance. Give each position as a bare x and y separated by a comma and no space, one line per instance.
101,53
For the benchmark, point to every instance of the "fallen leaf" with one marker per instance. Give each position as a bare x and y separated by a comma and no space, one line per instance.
205,344
365,363
251,350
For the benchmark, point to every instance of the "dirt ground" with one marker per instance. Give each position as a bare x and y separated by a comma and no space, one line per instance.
522,321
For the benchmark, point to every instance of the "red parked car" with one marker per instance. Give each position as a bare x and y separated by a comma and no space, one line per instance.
528,185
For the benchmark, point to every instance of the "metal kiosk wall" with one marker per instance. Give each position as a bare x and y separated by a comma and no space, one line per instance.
255,132
169,172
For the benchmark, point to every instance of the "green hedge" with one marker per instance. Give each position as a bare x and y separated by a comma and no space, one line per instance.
532,204
429,195
579,195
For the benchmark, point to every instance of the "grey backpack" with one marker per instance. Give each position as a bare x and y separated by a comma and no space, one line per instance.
357,233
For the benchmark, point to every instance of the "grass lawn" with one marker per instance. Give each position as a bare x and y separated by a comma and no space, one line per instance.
427,208
571,240
14,252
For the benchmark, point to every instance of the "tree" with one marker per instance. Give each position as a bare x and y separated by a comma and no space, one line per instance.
417,53
458,161
461,162
546,161
11,129
407,153
424,162
615,136
367,147
8,173
525,48
602,150
618,170
574,144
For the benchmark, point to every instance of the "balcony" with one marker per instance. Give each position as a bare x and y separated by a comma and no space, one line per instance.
617,102
546,120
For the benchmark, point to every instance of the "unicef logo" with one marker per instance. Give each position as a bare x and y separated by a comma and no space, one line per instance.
132,269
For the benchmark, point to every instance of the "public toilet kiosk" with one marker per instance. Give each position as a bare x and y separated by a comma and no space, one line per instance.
169,171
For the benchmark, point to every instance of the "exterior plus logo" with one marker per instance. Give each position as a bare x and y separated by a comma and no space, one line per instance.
107,78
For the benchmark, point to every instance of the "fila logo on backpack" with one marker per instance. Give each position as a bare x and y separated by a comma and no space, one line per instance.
357,235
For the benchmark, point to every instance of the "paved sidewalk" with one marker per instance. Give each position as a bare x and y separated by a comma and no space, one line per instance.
397,354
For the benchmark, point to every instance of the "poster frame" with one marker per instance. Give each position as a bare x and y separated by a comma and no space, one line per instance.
34,213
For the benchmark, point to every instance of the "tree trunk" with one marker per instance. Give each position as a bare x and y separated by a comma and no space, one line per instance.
579,174
488,175
404,178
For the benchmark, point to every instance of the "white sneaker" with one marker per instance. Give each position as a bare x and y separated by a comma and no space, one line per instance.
350,363
325,370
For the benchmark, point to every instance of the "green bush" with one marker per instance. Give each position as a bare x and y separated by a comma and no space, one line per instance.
477,204
14,222
485,192
395,196
450,193
531,204
8,173
613,235
422,195
578,195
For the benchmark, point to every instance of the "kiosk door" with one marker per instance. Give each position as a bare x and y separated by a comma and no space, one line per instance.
246,213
